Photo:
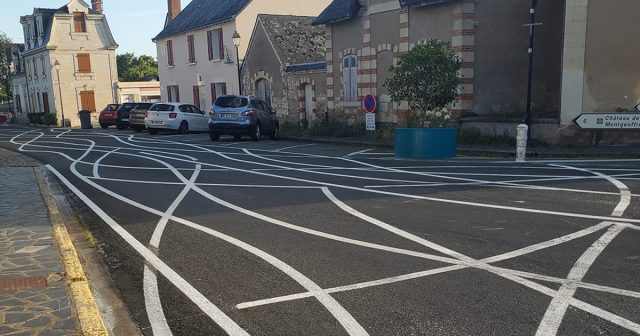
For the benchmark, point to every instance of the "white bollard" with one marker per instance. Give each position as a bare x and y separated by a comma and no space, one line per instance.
521,143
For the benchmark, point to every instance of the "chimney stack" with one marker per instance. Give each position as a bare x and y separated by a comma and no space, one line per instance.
97,5
174,9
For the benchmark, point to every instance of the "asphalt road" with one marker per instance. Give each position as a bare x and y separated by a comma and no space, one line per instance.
286,238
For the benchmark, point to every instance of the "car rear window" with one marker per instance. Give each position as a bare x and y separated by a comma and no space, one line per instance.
126,107
144,106
162,108
111,107
231,102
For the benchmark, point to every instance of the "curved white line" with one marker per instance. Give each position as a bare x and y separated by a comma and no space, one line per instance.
96,165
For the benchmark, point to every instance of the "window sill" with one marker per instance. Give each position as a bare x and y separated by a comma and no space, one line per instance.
171,66
192,63
84,74
215,61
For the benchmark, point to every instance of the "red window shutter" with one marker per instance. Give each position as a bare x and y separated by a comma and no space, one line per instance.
170,52
209,46
192,51
79,22
220,44
177,94
224,88
214,94
196,96
169,98
84,62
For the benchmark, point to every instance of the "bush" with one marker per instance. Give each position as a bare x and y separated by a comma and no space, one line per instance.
49,119
35,118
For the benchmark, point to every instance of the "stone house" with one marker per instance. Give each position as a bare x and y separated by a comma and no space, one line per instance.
285,66
77,37
574,70
197,59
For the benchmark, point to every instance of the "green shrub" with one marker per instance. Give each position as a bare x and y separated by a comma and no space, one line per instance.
49,119
35,118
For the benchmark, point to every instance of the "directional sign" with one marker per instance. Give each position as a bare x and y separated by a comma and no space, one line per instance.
370,103
370,121
638,107
608,121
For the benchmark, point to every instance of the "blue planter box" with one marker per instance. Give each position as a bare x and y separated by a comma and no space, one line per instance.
425,143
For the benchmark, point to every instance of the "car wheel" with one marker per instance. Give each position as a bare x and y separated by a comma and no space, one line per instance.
153,131
257,133
276,133
214,136
104,126
237,137
184,128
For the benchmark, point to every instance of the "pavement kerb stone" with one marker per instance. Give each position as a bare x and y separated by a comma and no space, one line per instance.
91,322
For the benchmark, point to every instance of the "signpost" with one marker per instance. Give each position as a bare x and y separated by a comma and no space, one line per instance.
608,121
9,115
370,104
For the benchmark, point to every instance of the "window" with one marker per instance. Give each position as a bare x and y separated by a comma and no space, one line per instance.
215,45
170,53
88,100
45,102
196,96
350,78
232,102
35,68
192,49
79,22
263,89
84,63
218,89
173,92
162,108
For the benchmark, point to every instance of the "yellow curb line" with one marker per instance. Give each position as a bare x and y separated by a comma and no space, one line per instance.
89,317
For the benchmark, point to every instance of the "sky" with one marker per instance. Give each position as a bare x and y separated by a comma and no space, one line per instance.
133,23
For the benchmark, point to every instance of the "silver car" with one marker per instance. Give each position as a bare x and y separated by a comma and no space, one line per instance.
242,115
175,117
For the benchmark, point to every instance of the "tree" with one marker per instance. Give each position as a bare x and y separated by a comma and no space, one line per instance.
427,78
132,68
5,83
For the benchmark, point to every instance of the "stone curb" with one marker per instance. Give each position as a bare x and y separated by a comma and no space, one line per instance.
89,317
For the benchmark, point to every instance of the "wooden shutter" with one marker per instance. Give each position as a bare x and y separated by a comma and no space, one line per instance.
192,51
209,44
214,94
220,44
196,96
79,22
224,88
84,62
88,100
45,102
177,93
170,53
18,104
169,98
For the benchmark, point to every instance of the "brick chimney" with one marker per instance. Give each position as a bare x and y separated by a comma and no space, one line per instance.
174,9
97,5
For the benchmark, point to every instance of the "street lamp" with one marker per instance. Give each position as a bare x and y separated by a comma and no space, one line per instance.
57,66
10,83
236,43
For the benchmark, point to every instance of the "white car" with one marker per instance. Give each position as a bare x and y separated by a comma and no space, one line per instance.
176,117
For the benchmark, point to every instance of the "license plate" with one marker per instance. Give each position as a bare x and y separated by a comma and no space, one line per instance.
125,119
227,115
157,122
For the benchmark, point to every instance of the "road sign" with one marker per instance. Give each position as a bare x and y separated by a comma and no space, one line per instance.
638,107
608,121
370,121
9,115
370,103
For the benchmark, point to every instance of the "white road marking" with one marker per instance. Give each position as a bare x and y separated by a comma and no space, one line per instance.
357,153
63,133
558,307
96,165
291,147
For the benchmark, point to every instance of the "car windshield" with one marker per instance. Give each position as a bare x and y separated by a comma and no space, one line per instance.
162,108
231,102
144,106
127,107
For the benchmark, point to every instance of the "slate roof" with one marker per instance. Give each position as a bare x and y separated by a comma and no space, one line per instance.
322,65
202,13
419,3
295,40
338,11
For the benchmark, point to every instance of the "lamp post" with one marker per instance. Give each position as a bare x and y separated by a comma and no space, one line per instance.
57,66
531,25
10,84
236,43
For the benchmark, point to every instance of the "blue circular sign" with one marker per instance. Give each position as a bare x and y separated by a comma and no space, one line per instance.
370,103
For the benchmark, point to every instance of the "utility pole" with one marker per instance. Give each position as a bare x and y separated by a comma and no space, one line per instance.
531,25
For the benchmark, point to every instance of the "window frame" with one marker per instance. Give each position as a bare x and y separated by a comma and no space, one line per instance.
79,18
219,48
170,59
350,77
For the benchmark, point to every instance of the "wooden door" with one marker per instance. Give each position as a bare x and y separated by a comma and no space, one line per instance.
88,101
45,102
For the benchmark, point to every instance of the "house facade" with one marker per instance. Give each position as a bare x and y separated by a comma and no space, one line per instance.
197,59
68,62
579,64
146,89
285,66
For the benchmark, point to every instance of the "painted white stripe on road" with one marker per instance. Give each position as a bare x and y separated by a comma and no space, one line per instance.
96,165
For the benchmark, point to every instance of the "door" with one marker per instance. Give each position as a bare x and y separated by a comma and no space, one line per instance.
201,120
308,102
88,101
45,102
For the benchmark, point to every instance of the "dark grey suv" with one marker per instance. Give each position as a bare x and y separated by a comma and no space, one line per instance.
242,115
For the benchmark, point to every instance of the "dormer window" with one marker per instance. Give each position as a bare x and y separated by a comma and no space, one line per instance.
39,25
79,22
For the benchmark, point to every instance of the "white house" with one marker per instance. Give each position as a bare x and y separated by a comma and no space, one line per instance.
68,62
197,58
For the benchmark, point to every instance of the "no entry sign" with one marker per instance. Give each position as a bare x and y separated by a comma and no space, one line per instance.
370,103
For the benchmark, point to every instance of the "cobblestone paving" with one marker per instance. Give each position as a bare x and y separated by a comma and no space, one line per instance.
27,249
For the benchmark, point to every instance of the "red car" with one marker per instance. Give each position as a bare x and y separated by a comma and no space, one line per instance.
108,115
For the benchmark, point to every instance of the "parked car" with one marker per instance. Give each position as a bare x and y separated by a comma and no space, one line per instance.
175,117
137,115
108,115
242,115
122,117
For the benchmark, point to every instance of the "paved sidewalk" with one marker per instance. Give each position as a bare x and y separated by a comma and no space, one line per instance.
34,297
